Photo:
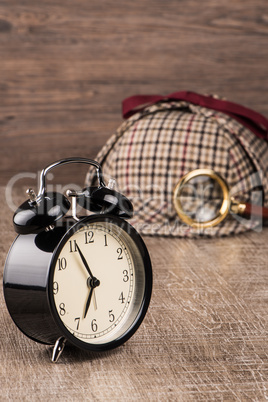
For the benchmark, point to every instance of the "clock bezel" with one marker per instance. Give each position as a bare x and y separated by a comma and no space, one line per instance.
142,249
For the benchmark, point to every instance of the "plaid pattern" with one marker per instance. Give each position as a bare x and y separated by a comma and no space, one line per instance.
154,148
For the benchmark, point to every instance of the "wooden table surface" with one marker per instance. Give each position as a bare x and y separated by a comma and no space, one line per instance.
204,337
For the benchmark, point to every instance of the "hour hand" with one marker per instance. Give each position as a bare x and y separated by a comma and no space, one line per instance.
84,262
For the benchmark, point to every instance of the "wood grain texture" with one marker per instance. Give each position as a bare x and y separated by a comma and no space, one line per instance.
66,66
204,337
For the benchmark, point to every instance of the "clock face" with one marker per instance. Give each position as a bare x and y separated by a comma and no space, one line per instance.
98,282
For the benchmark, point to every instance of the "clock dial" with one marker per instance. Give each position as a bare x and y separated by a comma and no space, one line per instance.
98,282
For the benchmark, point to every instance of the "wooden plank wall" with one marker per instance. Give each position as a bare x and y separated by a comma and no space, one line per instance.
66,65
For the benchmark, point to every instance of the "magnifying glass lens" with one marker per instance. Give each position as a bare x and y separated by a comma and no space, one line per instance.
201,198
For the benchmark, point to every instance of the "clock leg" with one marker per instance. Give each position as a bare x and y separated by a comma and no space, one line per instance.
58,349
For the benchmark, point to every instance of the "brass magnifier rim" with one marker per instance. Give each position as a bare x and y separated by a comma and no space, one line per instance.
226,202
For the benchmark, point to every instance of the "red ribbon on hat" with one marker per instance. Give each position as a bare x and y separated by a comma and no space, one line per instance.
254,121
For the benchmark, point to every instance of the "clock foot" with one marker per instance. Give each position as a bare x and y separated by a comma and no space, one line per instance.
58,349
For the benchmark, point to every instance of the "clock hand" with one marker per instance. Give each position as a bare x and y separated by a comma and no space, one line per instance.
85,262
88,301
93,283
95,301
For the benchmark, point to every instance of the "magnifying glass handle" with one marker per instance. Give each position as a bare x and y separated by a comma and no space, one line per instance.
255,210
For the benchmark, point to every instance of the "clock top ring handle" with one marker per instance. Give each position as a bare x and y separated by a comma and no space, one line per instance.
41,211
67,161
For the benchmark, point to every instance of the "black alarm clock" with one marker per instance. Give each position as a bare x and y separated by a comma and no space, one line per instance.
86,281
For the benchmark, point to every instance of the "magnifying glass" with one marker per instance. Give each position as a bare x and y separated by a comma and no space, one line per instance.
202,199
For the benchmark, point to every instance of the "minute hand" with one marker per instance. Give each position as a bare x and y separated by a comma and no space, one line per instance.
88,302
84,262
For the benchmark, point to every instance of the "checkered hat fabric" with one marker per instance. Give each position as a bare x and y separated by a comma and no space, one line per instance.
155,147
